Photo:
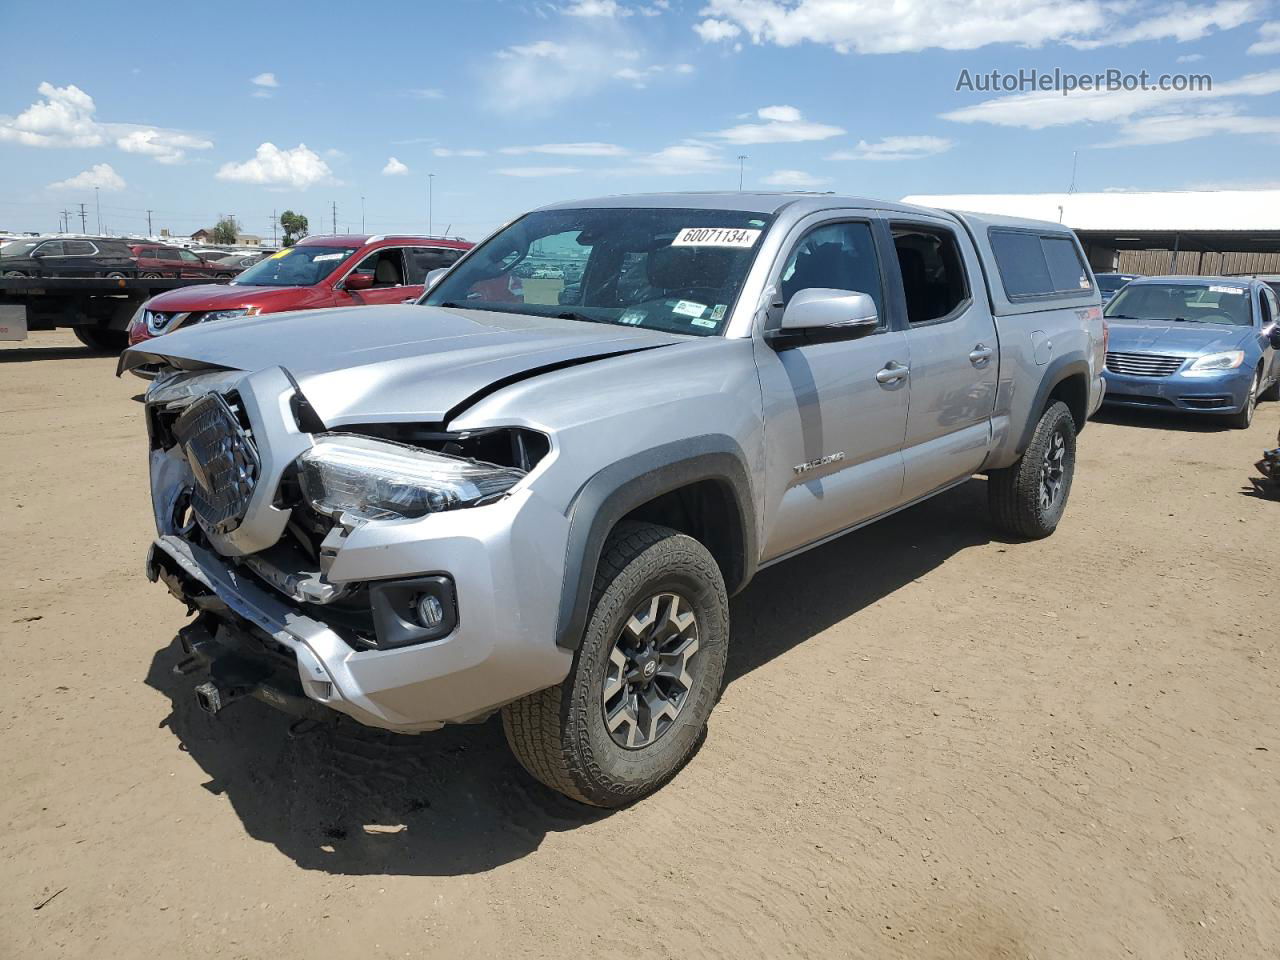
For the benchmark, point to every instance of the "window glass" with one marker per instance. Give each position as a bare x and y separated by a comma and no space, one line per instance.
189,256
839,256
166,254
1274,302
52,248
671,269
299,266
1264,307
419,261
1065,266
1223,303
385,266
933,277
78,248
1039,266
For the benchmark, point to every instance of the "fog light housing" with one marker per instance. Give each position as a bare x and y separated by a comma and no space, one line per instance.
418,610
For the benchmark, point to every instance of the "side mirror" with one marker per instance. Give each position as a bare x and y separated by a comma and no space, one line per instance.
1274,337
358,281
433,276
823,315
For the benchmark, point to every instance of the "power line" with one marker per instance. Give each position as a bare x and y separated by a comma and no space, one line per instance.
335,215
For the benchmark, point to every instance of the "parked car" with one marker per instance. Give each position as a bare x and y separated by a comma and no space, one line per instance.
66,257
1194,344
239,261
416,515
1112,283
156,260
319,271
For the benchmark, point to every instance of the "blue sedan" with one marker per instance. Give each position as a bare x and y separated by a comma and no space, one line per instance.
1195,344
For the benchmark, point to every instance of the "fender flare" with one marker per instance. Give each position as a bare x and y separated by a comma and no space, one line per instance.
1063,368
619,488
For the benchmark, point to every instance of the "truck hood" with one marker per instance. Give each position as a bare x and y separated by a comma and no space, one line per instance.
1182,339
223,296
394,363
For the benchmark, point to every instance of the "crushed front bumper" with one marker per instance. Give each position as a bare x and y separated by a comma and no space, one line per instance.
413,689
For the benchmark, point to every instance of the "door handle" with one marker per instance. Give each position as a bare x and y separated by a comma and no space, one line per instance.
893,372
980,354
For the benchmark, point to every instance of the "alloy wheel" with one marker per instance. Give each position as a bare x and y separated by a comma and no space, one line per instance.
647,682
1053,471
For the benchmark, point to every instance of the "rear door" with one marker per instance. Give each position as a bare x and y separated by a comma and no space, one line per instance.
954,358
835,413
192,265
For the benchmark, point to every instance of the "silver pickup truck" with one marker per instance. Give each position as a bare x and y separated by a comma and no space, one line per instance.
535,490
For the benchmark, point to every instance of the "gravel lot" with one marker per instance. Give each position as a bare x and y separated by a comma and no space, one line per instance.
932,743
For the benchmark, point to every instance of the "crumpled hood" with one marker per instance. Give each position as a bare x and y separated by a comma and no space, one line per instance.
1177,339
223,296
394,363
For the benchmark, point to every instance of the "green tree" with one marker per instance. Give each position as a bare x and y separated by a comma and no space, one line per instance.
224,231
294,226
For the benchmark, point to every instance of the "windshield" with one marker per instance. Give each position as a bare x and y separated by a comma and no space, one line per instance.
295,267
662,269
1196,302
1110,283
18,248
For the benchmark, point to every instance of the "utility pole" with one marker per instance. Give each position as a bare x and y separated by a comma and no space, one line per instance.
335,215
150,232
83,225
362,230
66,221
742,159
274,221
97,202
431,203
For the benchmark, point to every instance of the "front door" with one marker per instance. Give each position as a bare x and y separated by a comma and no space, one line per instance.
954,361
835,413
386,266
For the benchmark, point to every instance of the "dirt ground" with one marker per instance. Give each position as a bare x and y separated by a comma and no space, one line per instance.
932,743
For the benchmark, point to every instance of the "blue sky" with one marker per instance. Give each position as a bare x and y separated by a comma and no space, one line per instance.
212,109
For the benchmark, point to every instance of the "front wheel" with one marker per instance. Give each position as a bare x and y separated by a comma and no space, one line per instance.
1242,419
1028,498
102,339
644,680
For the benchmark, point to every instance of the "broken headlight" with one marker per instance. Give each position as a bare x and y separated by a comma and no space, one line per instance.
379,480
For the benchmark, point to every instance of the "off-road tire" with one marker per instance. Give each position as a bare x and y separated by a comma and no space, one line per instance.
1013,493
559,734
101,339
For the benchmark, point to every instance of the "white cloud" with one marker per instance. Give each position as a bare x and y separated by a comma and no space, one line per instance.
794,179
65,118
299,168
914,25
682,159
1178,127
1190,58
784,125
714,30
265,80
588,149
537,171
1268,39
394,168
453,152
537,77
426,93
100,175
166,146
596,8
895,148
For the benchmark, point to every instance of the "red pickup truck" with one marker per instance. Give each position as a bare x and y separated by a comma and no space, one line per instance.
321,271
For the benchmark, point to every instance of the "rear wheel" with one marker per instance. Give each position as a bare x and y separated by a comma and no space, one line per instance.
15,275
102,339
1028,498
646,676
115,275
1242,419
151,276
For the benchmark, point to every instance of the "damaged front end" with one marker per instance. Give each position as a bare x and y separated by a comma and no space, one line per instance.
255,503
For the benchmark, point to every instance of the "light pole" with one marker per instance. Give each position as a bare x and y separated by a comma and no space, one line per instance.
97,202
362,230
742,159
431,198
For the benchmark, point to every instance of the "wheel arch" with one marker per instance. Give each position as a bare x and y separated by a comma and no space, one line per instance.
1066,379
697,486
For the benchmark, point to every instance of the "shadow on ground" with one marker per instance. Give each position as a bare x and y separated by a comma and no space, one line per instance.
463,801
27,354
1163,420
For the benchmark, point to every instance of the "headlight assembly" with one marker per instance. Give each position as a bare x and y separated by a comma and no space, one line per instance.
379,480
229,314
1212,363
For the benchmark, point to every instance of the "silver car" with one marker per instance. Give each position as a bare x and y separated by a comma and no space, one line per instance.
535,491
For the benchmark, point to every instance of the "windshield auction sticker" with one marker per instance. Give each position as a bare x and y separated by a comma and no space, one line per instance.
716,237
